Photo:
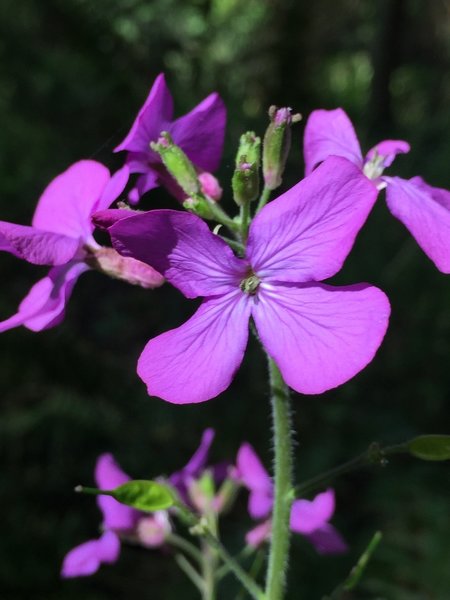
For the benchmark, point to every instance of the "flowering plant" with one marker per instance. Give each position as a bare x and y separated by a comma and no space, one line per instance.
265,269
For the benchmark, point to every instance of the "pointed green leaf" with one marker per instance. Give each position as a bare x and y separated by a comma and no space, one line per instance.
430,447
147,496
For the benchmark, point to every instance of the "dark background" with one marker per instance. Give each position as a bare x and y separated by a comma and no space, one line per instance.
72,75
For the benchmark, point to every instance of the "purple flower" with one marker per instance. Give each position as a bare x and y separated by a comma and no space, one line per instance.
423,209
61,235
199,133
309,518
320,336
123,522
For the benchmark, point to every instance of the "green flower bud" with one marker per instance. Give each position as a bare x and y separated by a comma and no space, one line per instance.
245,182
177,163
277,143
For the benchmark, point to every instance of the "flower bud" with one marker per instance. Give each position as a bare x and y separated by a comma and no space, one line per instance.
201,492
245,180
153,530
277,143
133,271
177,163
209,186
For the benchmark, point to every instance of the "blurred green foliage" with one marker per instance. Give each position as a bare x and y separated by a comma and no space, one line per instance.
72,75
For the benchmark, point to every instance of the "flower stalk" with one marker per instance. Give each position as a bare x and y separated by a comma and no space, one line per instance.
279,545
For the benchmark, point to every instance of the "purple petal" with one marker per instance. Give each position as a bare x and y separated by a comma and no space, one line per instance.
309,515
327,540
144,183
181,247
69,200
259,534
389,150
45,304
86,558
330,133
37,246
251,470
199,458
307,233
320,336
113,189
105,219
425,211
153,118
260,504
200,133
108,475
198,360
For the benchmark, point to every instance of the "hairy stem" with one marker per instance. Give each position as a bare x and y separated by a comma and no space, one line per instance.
279,545
264,199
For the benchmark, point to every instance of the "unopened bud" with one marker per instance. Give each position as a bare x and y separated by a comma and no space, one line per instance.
209,186
133,271
201,492
153,530
245,180
277,143
177,163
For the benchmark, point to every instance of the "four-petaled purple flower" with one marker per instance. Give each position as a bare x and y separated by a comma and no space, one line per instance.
199,133
309,518
61,235
423,209
320,336
121,522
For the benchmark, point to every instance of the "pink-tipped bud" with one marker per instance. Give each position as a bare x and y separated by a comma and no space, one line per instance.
153,530
210,186
277,143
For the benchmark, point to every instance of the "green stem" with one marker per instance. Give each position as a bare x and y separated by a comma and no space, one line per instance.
374,455
264,199
221,217
198,527
245,219
233,244
189,570
188,548
279,545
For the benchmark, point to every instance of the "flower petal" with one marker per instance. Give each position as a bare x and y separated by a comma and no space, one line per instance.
259,534
86,558
389,150
153,117
330,133
69,200
113,189
197,361
37,246
45,304
180,479
320,336
327,540
108,475
307,233
200,133
251,470
309,515
425,211
181,247
260,504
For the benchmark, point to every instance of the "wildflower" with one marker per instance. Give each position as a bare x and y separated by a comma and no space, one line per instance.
61,235
123,523
423,209
320,336
309,518
199,133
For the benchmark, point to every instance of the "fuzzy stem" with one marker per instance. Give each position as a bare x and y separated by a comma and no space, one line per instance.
264,199
279,545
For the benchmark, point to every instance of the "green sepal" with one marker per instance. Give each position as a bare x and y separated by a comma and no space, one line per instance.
245,181
430,447
200,206
177,163
277,143
147,496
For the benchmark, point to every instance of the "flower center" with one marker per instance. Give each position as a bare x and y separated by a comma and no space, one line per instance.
374,167
250,284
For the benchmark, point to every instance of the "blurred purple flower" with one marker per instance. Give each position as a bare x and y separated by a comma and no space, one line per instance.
309,518
423,209
120,521
199,133
320,336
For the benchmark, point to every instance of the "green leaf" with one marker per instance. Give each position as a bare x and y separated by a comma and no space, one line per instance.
147,496
430,447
